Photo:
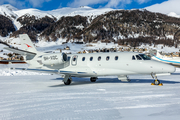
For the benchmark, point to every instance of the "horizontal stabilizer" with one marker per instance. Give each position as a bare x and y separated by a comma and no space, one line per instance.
21,52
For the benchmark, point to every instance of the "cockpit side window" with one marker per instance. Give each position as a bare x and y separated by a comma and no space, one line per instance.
145,57
138,57
133,58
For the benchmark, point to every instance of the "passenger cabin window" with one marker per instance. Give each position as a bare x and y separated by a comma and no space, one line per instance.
116,57
138,57
91,58
144,57
99,58
133,58
107,58
83,59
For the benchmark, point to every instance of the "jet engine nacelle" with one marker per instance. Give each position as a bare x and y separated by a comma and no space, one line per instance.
53,59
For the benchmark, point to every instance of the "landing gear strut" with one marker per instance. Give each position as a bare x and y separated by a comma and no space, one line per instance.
93,79
156,81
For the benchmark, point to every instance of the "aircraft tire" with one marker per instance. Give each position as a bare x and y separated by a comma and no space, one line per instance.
68,82
156,82
93,79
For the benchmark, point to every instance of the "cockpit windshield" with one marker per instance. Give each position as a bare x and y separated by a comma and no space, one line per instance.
144,57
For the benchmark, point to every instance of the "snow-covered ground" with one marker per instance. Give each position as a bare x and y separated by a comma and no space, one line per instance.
35,97
28,95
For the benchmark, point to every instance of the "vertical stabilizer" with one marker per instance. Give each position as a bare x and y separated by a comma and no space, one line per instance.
155,53
159,55
27,44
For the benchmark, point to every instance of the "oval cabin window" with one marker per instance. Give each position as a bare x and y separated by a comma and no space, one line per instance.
91,58
99,58
107,58
83,59
116,57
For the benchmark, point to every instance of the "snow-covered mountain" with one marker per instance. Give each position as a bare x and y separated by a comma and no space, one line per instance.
9,11
82,11
166,7
126,27
13,13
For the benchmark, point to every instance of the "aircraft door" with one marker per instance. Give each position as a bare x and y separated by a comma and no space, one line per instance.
74,60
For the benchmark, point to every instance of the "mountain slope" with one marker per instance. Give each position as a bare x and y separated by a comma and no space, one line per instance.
129,27
116,26
7,11
6,26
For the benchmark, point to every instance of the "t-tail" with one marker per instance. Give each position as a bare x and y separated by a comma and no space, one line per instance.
38,60
155,53
28,50
26,43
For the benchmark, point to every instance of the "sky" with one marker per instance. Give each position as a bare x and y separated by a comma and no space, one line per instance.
55,4
163,6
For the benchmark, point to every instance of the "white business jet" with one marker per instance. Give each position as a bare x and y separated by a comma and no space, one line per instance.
170,60
91,65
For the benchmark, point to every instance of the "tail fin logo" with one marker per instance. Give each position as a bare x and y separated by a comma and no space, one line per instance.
28,45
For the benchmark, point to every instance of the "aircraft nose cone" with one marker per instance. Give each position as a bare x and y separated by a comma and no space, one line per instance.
169,68
172,69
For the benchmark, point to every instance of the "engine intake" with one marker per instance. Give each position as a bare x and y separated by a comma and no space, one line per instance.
53,59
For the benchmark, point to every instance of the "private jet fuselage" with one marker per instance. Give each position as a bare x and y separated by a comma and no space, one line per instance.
118,64
91,65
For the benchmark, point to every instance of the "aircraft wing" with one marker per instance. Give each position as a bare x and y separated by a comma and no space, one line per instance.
37,70
21,52
51,71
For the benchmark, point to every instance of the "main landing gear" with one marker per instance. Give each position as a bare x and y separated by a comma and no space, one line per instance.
156,81
67,80
93,79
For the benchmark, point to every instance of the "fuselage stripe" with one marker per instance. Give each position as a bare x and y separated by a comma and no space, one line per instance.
166,60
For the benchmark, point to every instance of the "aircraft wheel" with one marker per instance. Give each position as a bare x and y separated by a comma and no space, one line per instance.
68,82
93,79
156,82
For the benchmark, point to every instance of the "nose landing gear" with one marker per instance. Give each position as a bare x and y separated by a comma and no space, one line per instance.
156,81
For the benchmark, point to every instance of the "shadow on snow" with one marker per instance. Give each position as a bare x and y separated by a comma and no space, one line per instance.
175,73
85,81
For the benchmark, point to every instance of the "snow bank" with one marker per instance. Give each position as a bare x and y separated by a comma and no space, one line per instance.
6,71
